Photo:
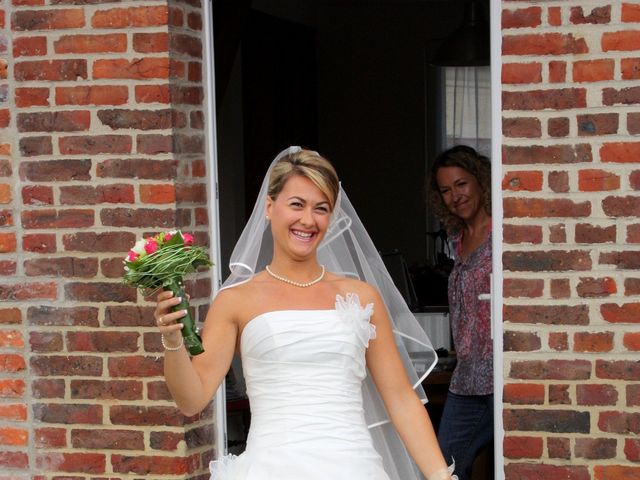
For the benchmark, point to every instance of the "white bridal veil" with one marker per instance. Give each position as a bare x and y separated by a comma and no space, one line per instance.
348,250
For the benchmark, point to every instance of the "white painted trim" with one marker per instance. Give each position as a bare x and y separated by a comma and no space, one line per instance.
220,410
496,215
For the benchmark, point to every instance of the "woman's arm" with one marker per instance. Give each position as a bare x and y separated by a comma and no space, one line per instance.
193,381
406,411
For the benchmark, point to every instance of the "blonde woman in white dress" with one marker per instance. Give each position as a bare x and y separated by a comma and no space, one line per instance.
323,337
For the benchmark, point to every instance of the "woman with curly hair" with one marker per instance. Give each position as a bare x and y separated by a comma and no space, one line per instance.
460,192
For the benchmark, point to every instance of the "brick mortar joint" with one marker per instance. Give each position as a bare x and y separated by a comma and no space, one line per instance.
566,302
546,115
578,30
616,328
569,141
571,356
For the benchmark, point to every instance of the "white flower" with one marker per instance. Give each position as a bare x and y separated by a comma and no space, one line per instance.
139,247
351,309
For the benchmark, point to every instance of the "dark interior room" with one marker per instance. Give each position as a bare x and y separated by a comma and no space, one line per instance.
357,81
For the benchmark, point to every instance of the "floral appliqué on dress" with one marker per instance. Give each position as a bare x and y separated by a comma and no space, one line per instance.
350,309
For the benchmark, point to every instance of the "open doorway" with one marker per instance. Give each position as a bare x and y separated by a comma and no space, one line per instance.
350,79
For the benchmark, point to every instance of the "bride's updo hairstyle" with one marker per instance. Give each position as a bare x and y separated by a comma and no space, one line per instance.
308,164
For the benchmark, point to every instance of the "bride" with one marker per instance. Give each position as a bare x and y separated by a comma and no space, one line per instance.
324,338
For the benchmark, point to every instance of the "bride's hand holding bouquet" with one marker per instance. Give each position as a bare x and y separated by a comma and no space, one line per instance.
161,262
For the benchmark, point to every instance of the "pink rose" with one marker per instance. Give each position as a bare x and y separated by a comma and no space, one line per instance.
132,257
188,238
151,246
167,236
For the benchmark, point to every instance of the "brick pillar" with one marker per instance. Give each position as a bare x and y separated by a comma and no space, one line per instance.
14,431
571,239
102,143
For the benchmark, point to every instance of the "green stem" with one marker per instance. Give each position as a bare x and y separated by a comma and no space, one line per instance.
192,340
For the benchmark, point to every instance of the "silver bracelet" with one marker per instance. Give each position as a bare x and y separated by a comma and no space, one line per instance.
172,349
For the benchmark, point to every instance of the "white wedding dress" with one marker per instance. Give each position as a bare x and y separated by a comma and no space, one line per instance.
303,370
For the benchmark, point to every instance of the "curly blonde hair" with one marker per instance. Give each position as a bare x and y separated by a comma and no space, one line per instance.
467,158
308,164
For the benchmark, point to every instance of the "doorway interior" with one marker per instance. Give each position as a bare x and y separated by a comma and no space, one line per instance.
351,79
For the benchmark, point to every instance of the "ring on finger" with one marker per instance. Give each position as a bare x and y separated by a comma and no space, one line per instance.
160,321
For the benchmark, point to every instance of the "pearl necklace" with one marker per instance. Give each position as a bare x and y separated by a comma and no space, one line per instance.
295,284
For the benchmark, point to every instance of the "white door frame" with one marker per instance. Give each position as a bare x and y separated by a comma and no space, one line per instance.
220,432
496,215
220,406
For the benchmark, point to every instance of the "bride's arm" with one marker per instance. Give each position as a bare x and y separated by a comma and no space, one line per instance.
406,411
193,381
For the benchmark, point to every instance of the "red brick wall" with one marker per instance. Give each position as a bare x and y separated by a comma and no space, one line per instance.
570,96
101,142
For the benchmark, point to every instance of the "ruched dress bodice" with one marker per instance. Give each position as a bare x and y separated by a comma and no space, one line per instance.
303,370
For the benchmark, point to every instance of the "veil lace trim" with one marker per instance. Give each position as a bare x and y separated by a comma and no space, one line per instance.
228,467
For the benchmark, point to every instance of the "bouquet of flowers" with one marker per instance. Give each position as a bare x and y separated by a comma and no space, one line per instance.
162,261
